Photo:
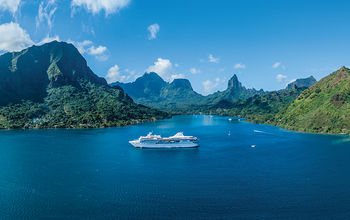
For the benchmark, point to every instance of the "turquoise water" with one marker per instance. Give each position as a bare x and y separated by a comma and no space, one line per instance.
89,174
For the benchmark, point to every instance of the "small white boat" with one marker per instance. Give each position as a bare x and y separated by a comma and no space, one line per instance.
156,141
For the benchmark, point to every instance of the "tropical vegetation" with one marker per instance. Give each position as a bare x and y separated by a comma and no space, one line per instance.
51,86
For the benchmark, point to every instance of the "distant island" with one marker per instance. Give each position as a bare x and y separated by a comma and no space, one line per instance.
51,86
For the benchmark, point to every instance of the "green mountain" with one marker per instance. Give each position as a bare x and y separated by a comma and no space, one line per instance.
260,108
306,82
179,97
323,108
234,91
148,86
151,90
51,86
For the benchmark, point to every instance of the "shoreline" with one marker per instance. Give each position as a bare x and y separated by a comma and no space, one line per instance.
83,128
172,115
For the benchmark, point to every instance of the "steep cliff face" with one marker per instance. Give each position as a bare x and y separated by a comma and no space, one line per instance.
234,91
151,90
27,74
179,96
233,83
52,86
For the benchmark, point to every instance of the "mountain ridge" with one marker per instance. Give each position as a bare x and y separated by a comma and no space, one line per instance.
234,91
179,96
322,108
57,57
151,90
302,82
51,86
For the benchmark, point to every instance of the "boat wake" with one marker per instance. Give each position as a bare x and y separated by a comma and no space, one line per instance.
258,131
341,141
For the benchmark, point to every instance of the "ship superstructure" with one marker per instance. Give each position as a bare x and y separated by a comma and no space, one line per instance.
156,141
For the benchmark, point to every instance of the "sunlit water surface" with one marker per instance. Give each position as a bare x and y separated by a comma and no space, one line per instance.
96,173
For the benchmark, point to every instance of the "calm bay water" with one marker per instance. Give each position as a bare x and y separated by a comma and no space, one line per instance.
88,174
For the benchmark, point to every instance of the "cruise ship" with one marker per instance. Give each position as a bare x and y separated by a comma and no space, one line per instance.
156,141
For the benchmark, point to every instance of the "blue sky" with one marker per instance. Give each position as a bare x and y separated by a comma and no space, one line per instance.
266,43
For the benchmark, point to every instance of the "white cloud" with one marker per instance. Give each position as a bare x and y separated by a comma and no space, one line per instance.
96,6
87,46
81,46
153,31
212,59
239,66
96,50
132,72
46,13
162,67
194,71
276,65
177,76
114,75
102,58
281,78
13,37
10,5
209,85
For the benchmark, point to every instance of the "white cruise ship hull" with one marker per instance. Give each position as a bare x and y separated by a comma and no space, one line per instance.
187,144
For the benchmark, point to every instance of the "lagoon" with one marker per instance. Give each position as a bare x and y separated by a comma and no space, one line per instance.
96,173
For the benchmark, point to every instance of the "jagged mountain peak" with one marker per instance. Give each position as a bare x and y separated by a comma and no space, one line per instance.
343,72
234,82
343,68
27,74
60,61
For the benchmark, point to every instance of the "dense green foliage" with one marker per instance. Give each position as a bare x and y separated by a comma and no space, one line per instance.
259,108
234,91
178,97
323,108
151,90
61,92
51,86
69,107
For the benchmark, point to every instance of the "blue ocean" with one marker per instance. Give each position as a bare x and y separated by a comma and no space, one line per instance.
96,173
